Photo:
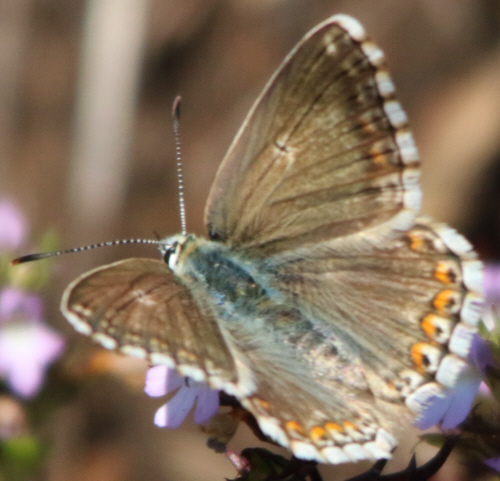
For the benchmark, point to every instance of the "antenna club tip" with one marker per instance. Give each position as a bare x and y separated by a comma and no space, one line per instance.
28,258
176,108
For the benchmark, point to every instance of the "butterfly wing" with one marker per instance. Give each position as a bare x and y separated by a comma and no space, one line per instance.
324,154
139,307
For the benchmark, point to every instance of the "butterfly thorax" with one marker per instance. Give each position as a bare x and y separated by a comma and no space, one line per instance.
230,279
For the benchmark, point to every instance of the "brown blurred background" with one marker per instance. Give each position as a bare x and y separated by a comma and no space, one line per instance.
86,149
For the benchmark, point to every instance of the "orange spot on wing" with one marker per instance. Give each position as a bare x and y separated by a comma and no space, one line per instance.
295,427
348,424
445,300
444,273
263,403
318,434
380,161
417,355
428,325
334,427
416,241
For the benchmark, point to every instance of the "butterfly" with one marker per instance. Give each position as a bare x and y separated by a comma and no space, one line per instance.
319,299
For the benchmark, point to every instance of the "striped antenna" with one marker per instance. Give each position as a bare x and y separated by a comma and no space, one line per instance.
176,114
44,255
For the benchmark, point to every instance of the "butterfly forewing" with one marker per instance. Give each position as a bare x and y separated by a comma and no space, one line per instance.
140,307
320,155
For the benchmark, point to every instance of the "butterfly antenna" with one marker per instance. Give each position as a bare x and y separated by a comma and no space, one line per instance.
176,114
44,255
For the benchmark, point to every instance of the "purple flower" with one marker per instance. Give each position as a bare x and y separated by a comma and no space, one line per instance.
16,304
161,380
12,226
27,345
493,463
480,354
492,283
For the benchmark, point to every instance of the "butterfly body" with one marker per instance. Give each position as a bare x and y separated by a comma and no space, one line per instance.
320,300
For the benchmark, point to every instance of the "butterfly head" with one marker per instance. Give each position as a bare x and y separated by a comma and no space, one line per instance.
172,247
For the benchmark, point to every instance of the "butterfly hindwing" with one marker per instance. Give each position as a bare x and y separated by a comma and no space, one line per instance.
407,312
361,339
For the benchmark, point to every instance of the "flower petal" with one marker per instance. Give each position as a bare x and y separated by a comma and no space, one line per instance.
15,303
207,405
491,281
480,354
493,463
432,407
13,231
171,414
26,383
461,402
161,380
25,351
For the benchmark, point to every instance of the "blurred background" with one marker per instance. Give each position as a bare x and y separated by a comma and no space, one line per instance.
87,153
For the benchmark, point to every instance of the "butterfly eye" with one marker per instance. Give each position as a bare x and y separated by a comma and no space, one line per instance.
170,254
